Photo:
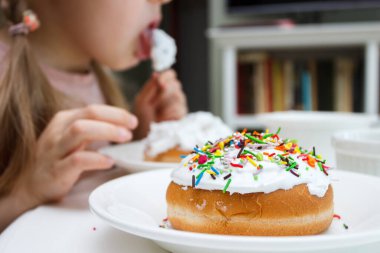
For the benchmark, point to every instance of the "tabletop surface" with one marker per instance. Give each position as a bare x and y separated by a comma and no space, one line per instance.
69,226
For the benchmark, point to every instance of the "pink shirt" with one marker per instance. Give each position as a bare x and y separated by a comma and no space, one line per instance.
82,87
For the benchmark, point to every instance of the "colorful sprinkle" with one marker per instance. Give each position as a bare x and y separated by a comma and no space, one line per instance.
267,136
255,139
291,166
198,151
252,162
240,151
216,172
200,174
202,159
227,176
228,184
236,165
322,169
295,174
337,216
259,156
199,177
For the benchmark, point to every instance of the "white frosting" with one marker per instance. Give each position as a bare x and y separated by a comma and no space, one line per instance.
194,129
270,178
163,51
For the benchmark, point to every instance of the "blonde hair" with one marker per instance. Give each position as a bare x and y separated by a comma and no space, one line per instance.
28,102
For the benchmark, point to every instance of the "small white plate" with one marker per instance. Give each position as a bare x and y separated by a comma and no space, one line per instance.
130,156
136,204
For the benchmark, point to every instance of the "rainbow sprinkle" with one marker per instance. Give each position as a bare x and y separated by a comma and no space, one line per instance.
228,184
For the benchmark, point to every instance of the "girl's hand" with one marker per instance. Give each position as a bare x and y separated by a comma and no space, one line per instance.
61,156
160,99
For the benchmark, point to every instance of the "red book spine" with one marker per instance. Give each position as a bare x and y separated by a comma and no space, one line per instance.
268,84
240,88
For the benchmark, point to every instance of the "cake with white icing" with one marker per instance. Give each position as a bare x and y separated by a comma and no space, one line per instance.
168,140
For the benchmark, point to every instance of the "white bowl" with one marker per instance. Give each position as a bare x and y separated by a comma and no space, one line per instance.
315,128
358,150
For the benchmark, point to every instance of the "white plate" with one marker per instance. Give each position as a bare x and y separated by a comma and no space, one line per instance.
131,157
136,204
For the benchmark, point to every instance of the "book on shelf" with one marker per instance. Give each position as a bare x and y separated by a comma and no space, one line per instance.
288,84
252,74
306,90
325,77
358,87
259,88
277,86
312,64
344,68
268,80
268,83
298,69
243,87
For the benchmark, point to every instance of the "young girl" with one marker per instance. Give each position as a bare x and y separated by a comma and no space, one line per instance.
57,98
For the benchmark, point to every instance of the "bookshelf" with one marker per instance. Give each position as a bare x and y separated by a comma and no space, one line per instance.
359,40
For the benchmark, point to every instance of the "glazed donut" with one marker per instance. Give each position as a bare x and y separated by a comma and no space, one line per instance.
168,140
251,184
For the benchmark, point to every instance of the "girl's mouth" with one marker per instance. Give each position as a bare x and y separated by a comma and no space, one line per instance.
145,41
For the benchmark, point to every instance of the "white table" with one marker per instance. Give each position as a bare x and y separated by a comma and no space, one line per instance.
69,226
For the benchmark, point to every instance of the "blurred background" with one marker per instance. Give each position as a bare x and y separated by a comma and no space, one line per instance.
189,22
309,66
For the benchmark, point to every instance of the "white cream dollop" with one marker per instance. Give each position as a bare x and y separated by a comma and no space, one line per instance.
194,129
250,179
163,51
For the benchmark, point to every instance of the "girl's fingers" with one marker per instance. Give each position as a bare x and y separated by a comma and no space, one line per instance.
172,108
109,114
166,77
171,113
160,84
173,91
172,97
149,91
70,168
171,102
84,130
104,113
53,137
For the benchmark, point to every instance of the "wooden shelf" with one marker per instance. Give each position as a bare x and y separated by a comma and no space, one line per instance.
226,42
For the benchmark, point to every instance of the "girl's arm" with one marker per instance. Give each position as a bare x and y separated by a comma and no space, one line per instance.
13,205
61,156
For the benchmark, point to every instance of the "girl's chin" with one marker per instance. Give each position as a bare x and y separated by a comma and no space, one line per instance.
133,62
124,65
